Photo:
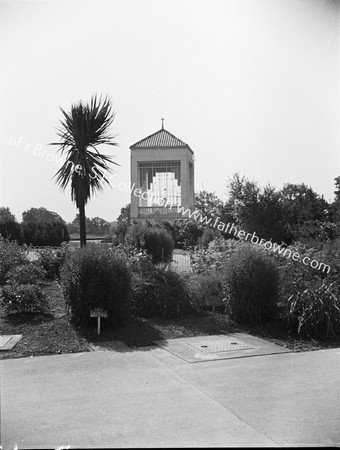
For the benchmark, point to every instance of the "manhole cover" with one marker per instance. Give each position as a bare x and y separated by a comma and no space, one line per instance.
4,340
221,345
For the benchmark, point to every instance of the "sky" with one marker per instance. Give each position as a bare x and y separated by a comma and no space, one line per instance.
253,86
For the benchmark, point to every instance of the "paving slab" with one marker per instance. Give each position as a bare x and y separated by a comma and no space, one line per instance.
112,399
223,346
8,341
293,398
151,398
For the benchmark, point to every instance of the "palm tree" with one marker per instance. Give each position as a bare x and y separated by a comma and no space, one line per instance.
81,131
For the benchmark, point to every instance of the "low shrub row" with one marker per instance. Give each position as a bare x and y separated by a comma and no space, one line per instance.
13,256
260,286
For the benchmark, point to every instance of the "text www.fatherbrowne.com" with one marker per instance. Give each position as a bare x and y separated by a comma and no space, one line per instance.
231,228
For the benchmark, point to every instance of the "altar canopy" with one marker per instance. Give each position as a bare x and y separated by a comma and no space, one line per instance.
160,181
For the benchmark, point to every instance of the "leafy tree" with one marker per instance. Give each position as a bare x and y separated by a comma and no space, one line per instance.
302,204
336,205
243,200
73,227
187,232
81,132
102,226
40,215
6,215
9,228
306,213
208,204
96,226
257,210
123,223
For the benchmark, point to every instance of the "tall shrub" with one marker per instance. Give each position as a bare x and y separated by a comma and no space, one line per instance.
156,241
159,244
252,285
94,277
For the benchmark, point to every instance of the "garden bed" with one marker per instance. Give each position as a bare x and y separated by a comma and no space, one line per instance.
43,334
53,334
144,332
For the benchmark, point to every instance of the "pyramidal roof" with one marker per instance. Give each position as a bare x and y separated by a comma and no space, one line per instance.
160,139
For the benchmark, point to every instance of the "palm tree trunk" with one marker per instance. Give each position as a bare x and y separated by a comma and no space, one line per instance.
82,224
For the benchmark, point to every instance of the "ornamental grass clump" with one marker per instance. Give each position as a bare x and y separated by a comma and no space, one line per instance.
160,292
315,311
209,290
95,277
252,280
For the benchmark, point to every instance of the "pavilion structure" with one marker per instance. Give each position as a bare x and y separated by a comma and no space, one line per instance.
162,174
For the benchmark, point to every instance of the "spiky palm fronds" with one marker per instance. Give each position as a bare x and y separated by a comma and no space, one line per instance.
81,131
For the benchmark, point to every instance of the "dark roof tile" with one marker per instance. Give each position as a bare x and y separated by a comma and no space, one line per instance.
161,138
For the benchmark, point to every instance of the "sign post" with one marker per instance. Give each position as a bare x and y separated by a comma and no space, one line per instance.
99,313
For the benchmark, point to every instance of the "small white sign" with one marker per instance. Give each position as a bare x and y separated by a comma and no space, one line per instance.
98,312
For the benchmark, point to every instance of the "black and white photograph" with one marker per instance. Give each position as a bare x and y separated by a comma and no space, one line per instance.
169,224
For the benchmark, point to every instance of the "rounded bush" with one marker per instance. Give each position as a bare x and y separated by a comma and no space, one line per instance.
157,242
252,285
24,298
95,277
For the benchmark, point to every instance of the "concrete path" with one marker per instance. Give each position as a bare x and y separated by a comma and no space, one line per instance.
151,398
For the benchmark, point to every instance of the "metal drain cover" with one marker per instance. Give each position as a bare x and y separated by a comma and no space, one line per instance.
221,345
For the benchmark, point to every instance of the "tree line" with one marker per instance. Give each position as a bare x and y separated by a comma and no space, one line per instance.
294,213
41,227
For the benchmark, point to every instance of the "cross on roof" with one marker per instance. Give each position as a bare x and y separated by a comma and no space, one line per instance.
162,123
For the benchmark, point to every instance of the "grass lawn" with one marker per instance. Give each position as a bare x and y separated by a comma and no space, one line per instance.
53,334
